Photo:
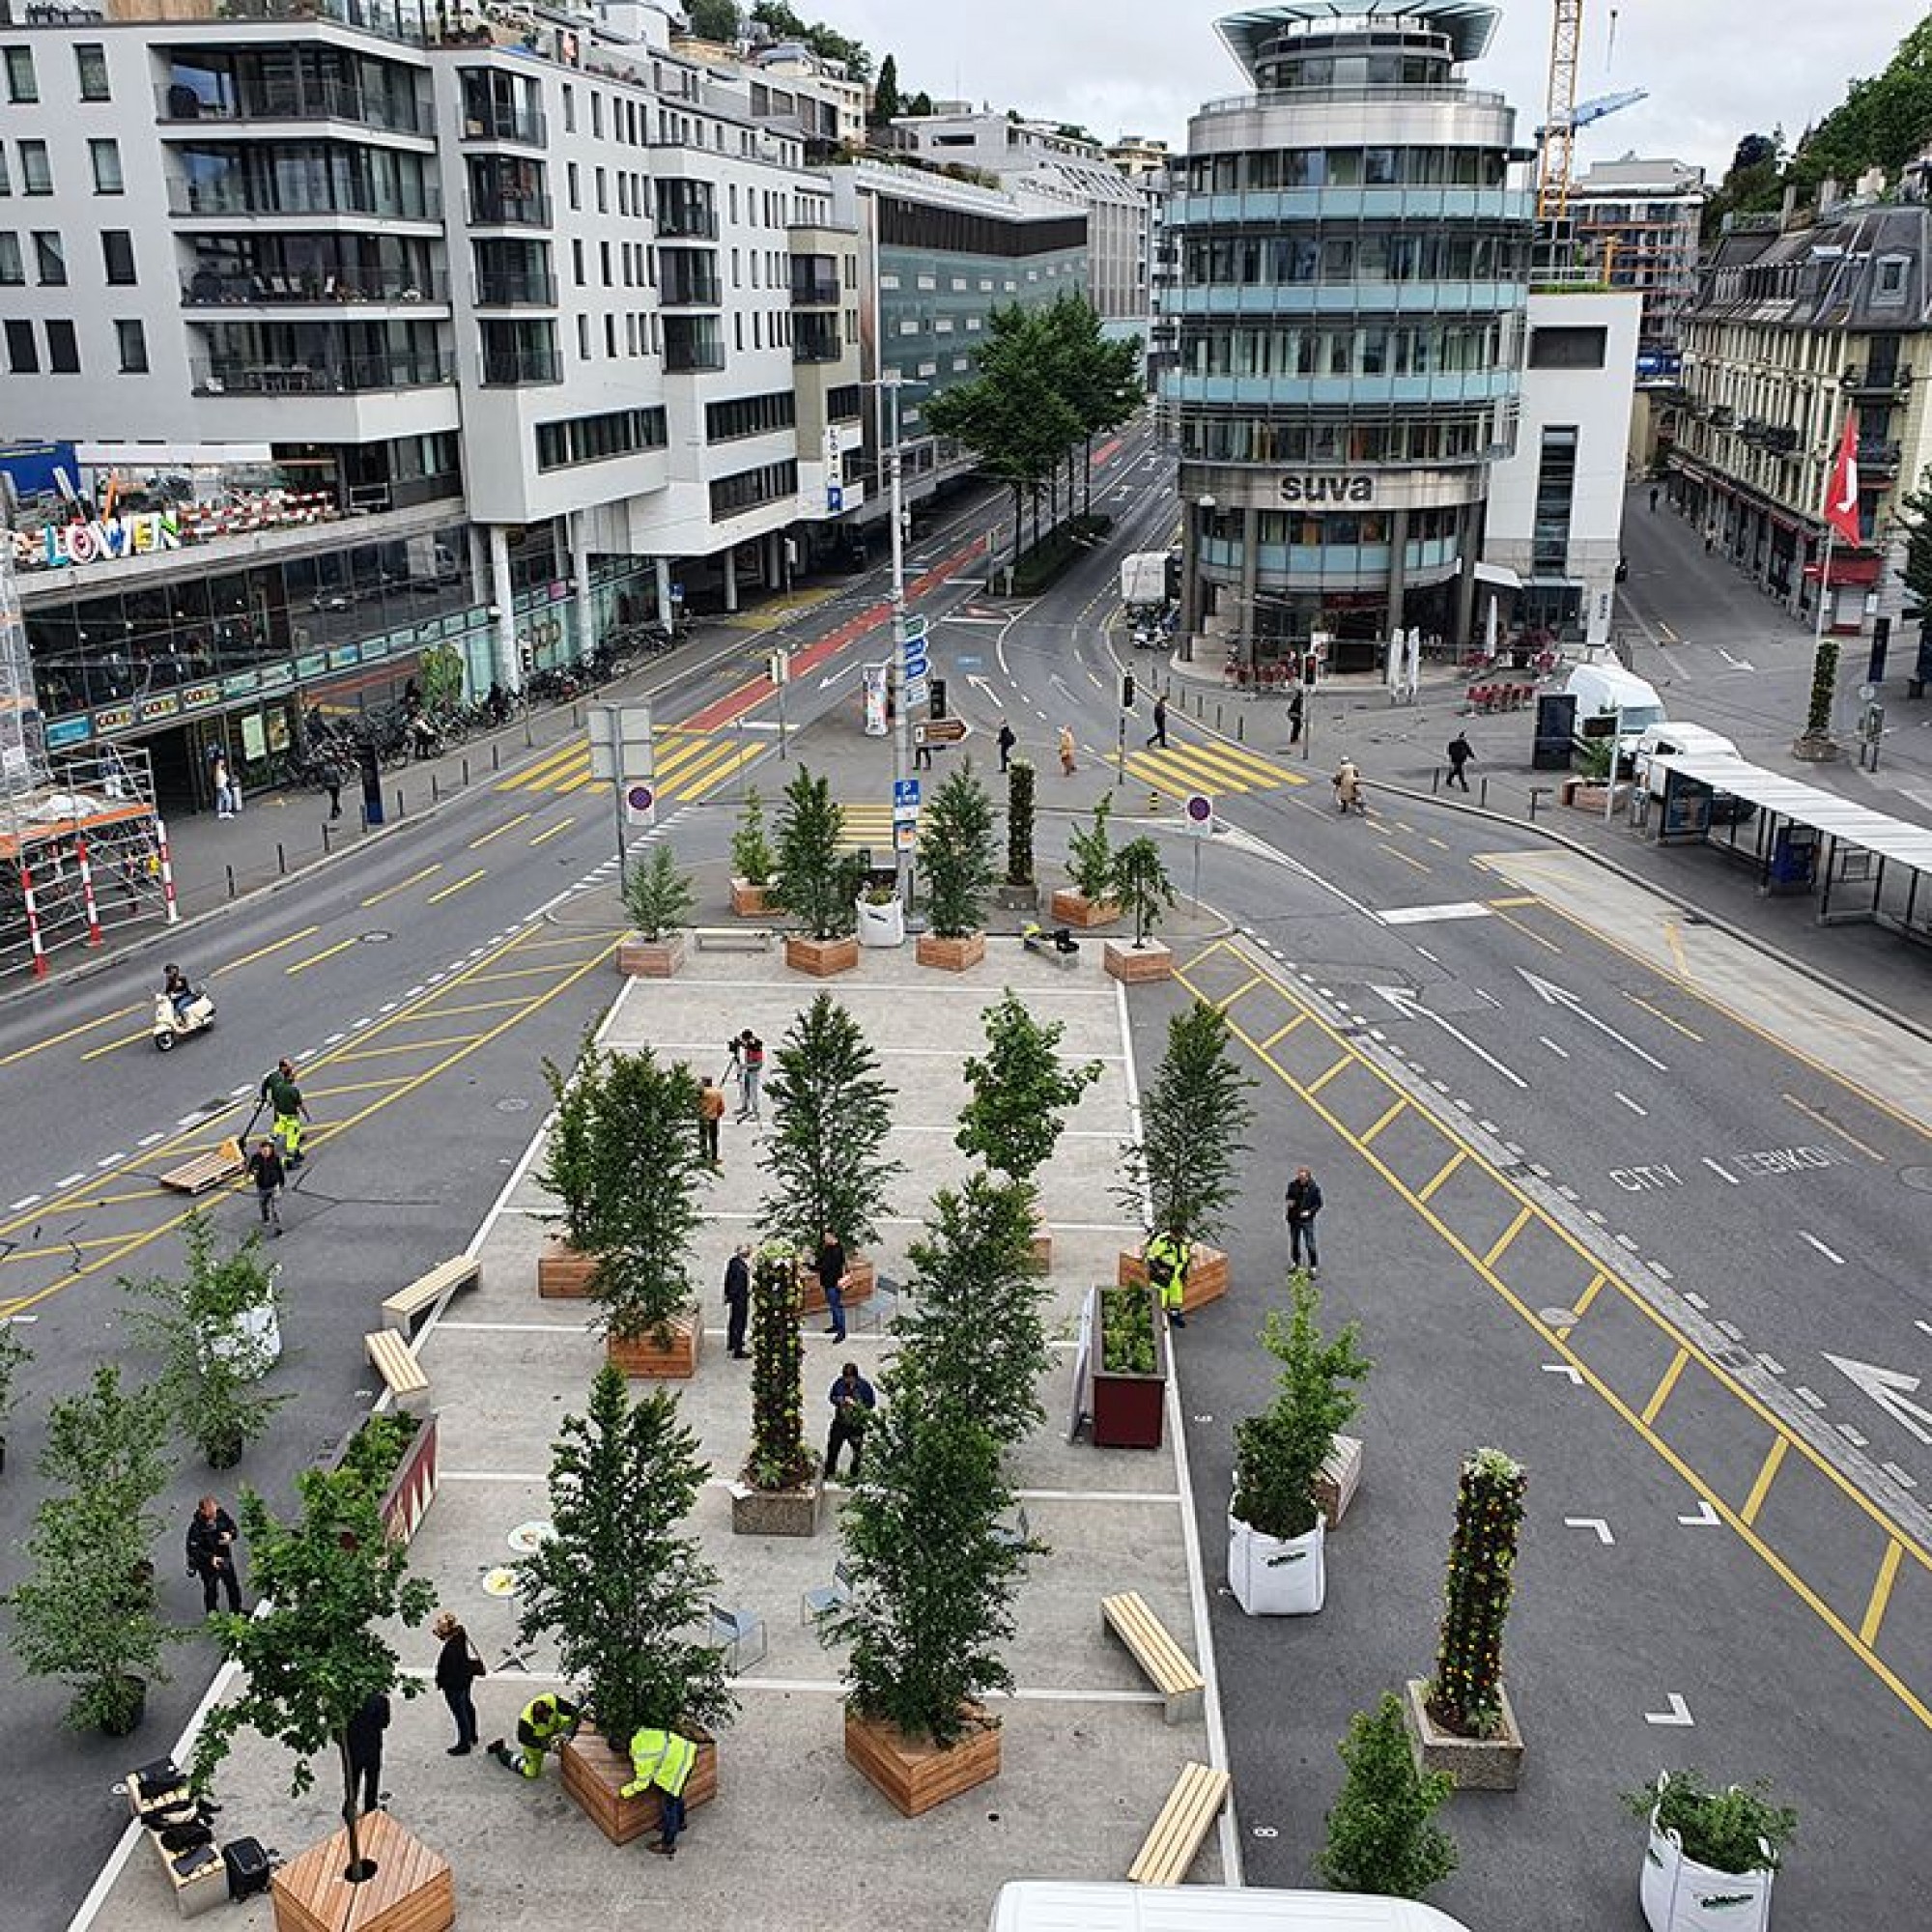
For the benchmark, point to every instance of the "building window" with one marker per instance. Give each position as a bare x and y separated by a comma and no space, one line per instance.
36,175
63,351
766,484
106,157
117,257
12,270
1568,348
21,85
1556,493
89,58
1891,277
133,341
49,260
22,357
569,110
749,416
598,439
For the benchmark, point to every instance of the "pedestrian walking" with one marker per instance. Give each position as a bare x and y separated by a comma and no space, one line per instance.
331,783
1295,717
1301,1204
1461,754
853,1400
267,1172
747,1062
1005,742
210,1555
922,752
287,1110
830,1268
1653,500
1159,736
1347,784
458,1666
710,1112
1068,767
363,1738
738,1299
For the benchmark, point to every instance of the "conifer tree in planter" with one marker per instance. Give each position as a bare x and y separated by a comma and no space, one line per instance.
1090,862
86,1611
1461,1718
779,1493
1712,1853
571,1170
1019,890
311,1656
831,1117
1184,1171
658,899
1381,1835
956,853
817,883
751,861
15,1356
1020,1090
620,1587
1141,884
1276,1563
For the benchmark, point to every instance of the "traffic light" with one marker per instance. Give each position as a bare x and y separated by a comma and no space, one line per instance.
1126,691
938,687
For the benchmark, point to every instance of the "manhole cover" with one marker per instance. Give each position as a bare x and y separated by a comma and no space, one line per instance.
513,1104
374,938
1919,1177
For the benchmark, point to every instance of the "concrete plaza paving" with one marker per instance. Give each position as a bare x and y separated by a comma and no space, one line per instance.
796,1839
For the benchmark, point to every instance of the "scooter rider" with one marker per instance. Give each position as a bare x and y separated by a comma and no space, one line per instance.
179,991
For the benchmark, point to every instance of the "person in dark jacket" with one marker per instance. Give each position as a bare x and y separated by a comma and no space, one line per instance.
738,1299
830,1269
1302,1204
853,1402
457,1670
210,1554
364,1738
1461,754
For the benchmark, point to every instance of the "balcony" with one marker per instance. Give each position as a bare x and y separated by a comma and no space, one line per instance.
1879,381
493,122
529,289
350,286
356,375
816,339
506,368
504,210
815,292
1878,459
306,97
691,343
313,200
687,278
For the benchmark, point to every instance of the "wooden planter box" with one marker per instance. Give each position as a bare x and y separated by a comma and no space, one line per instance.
411,1491
678,1358
562,1274
1041,1246
651,958
914,1777
1339,1475
950,955
1133,964
595,1771
1072,908
412,1890
1476,1764
776,1511
1129,1410
1206,1275
822,957
750,902
862,1277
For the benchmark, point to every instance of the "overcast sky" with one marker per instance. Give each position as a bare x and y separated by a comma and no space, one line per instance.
1714,69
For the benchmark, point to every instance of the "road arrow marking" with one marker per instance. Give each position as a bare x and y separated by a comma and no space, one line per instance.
1553,995
980,684
1705,1518
1590,1522
1679,1712
831,677
1736,664
1564,1369
1410,1008
1889,1388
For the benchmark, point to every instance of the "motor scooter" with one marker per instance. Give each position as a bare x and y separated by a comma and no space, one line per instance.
172,1023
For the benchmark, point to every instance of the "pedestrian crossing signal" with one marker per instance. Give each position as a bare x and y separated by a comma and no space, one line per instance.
1126,691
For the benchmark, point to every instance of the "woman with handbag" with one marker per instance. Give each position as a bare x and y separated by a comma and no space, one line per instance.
457,1668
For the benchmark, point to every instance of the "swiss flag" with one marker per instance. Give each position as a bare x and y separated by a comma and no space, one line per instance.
1841,493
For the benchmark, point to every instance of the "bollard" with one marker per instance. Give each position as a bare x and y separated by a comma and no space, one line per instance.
325,838
433,793
1434,780
572,714
1536,794
1241,727
1482,792
230,871
465,771
281,860
528,741
398,801
1217,716
495,758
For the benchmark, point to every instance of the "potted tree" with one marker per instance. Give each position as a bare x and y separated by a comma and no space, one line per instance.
1462,1721
1712,1853
1127,1349
1090,863
880,914
15,1356
1382,1837
1020,890
86,1611
1020,1091
1140,882
817,882
314,1652
619,1587
831,1117
957,854
751,861
1184,1171
1275,1522
657,898
572,1154
779,1493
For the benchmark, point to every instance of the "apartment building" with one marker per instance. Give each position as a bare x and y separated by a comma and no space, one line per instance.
1636,223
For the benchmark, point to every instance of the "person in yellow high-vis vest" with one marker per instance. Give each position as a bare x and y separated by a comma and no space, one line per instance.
547,1722
1166,1258
663,1760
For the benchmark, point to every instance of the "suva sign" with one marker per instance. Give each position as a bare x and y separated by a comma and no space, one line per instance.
1327,489
102,539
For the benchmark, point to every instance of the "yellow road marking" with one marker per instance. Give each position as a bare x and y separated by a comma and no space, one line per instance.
1549,945
72,1033
454,1012
262,952
1581,1307
508,825
114,1046
1443,1173
1507,1236
64,1247
1513,900
1398,1108
563,824
1395,852
1767,1474
315,959
1881,1596
1656,1013
521,973
1347,1061
347,1087
1825,1121
1668,1381
414,879
389,1052
1283,1032
1248,985
449,892
1673,937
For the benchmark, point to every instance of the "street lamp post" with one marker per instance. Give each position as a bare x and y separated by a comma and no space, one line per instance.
896,681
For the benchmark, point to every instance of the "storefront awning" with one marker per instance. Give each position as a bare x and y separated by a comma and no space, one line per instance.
1499,574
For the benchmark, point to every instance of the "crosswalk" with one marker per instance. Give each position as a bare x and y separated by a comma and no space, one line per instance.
1214,768
867,827
690,765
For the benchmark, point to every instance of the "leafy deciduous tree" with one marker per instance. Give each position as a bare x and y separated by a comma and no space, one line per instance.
1382,1833
1021,1089
1192,1122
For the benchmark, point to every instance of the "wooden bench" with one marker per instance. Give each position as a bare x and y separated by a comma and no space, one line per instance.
1185,1822
206,1170
1167,1665
400,1309
395,1361
731,938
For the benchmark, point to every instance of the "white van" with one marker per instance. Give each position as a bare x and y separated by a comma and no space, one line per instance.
1052,1905
1678,741
1600,688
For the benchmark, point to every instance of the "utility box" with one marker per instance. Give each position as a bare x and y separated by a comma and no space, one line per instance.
1555,724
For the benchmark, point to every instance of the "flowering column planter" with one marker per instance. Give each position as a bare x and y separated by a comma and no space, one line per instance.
1681,1895
1272,1577
251,1342
1206,1275
914,1777
596,1770
1129,1403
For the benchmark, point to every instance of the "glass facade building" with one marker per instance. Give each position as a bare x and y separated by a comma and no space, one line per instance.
1352,270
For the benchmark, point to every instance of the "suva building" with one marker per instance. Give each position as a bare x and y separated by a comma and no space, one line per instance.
1354,270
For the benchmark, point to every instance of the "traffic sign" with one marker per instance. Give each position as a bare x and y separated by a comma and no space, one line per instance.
918,693
905,837
905,791
621,742
1198,810
639,804
939,731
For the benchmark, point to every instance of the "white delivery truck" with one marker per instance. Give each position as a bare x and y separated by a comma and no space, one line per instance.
1054,1905
1144,579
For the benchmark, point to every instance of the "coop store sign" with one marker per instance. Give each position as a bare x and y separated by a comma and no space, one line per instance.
98,540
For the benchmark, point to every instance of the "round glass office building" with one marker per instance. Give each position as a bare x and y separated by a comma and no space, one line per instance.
1353,276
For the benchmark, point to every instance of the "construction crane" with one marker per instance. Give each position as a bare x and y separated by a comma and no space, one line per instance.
1586,111
1559,112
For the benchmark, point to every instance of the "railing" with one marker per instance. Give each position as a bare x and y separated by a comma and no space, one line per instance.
505,369
241,197
1878,455
356,375
685,290
819,292
685,358
528,127
816,345
1395,93
1876,381
535,289
274,287
502,211
675,225
306,100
